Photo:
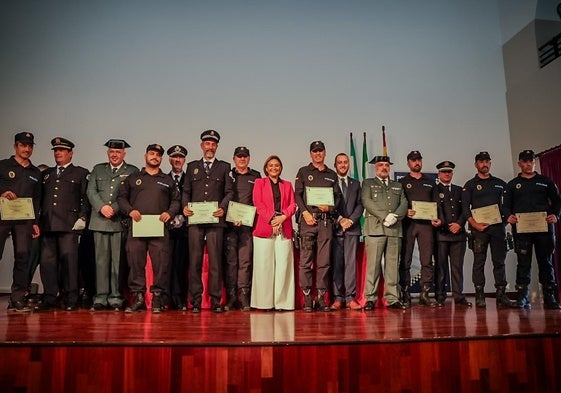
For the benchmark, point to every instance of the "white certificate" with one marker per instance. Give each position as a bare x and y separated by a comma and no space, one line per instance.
239,212
17,209
148,226
531,222
202,213
319,196
487,214
424,210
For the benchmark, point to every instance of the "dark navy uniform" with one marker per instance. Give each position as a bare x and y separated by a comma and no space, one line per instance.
64,202
149,194
238,240
25,182
479,192
422,230
319,236
179,255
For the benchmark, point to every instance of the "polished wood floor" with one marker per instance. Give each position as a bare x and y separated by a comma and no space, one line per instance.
417,350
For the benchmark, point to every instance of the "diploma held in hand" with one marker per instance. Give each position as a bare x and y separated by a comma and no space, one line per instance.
319,196
487,214
148,226
531,222
202,213
239,212
17,209
424,210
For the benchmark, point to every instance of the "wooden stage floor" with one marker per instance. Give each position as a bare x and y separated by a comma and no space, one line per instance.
421,349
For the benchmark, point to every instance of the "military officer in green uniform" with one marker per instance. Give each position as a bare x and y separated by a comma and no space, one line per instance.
105,222
386,206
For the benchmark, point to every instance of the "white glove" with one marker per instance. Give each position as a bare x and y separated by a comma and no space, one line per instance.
79,225
177,221
390,219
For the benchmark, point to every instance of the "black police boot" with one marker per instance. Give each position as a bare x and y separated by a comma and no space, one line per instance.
523,296
424,299
231,302
308,303
157,303
480,296
321,304
549,300
138,304
502,299
245,303
405,297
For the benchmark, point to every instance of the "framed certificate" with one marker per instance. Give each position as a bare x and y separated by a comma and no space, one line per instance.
239,212
531,222
202,213
487,214
424,210
148,226
17,209
318,196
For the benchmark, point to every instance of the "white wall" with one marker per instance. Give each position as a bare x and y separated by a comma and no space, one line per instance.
269,75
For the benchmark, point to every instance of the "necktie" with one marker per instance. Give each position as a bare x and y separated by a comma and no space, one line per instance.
344,187
207,167
115,170
385,181
176,177
60,170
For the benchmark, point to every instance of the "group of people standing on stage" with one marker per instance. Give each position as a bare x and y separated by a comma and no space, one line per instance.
253,263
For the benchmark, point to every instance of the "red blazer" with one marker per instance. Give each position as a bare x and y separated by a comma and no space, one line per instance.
263,201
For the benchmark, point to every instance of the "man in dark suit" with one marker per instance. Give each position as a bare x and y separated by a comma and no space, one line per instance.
64,210
178,235
207,180
345,240
450,235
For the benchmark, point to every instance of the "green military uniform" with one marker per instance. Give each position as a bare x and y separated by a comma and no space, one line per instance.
108,232
382,241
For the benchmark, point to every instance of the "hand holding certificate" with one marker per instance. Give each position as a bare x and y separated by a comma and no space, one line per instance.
239,212
424,210
148,226
320,196
531,222
17,209
487,215
203,213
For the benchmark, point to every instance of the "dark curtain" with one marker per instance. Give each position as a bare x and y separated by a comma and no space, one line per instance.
550,164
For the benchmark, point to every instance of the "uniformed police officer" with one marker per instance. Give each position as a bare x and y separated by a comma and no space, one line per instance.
385,205
485,190
450,236
19,178
106,224
207,180
149,192
531,192
178,234
238,239
316,226
417,187
64,210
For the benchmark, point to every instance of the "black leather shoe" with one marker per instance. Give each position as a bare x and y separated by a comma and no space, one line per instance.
98,307
463,303
116,307
41,307
217,309
196,309
21,306
71,307
397,306
157,303
181,306
138,304
369,306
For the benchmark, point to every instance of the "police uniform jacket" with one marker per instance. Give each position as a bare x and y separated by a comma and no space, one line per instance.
479,192
379,200
449,206
310,176
418,190
243,185
64,198
103,188
216,186
538,194
25,182
149,194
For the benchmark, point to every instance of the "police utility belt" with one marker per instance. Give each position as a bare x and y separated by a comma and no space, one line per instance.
322,216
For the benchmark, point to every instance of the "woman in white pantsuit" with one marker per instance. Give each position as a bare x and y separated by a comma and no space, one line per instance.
273,260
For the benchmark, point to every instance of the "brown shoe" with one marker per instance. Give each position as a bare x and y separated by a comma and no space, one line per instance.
337,305
354,305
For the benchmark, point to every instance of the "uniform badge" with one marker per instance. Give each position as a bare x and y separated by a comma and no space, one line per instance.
46,176
11,174
310,178
441,195
138,182
408,185
518,186
196,171
479,187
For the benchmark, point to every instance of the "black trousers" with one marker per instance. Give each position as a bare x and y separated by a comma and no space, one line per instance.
179,258
137,249
200,235
424,234
238,258
21,240
450,253
544,244
315,241
493,237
